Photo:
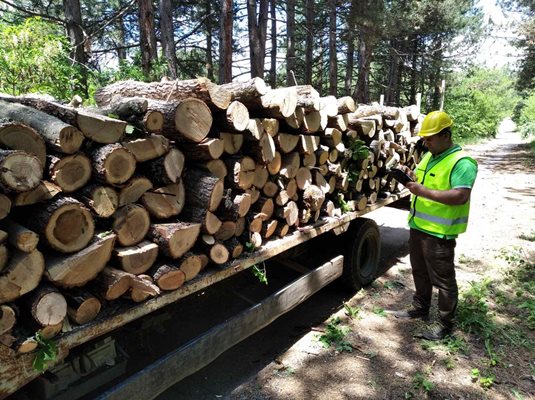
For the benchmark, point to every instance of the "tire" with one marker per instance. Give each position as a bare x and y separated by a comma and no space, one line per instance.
361,254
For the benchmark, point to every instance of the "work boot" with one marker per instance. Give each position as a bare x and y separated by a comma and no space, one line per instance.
436,331
412,313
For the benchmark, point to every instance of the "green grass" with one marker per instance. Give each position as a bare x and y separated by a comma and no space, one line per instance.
334,336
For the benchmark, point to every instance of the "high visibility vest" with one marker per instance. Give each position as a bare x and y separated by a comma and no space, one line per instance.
433,216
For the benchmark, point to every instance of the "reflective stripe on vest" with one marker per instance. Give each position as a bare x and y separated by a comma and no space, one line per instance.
433,216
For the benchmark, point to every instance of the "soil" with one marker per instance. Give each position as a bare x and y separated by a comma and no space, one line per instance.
387,360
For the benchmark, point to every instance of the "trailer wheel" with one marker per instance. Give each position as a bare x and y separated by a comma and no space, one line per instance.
361,254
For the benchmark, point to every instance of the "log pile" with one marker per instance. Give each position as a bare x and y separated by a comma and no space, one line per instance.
90,213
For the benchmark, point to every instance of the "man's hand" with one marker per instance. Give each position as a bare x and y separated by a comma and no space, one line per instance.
408,171
452,197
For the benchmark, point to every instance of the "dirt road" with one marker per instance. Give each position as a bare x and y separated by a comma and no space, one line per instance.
287,361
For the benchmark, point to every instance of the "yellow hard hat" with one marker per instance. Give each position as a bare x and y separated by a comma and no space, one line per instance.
434,122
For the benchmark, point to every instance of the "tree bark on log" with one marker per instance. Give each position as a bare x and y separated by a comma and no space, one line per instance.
18,136
8,318
43,192
70,172
113,164
203,190
21,275
207,149
215,96
57,134
19,171
82,306
130,223
247,91
133,189
111,283
209,221
346,105
174,239
63,223
167,277
75,270
19,237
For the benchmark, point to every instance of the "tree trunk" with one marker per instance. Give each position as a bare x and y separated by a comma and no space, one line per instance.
290,43
209,62
75,31
273,58
167,37
333,56
225,42
257,25
147,36
309,40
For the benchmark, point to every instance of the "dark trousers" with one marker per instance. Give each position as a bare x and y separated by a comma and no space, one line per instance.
432,261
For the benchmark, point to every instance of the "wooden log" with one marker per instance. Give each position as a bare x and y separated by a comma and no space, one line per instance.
247,91
174,239
233,207
101,200
136,259
166,169
215,167
147,148
209,221
303,178
309,160
346,104
8,318
19,237
46,305
75,270
276,103
167,277
234,119
339,122
69,172
207,149
270,189
21,275
165,202
254,130
232,142
100,128
261,176
19,171
268,228
286,142
203,190
130,223
295,120
57,134
290,213
82,306
5,206
234,247
275,165
320,181
133,189
308,144
226,231
313,198
18,136
264,206
271,126
111,283
308,98
242,172
219,254
217,97
113,164
138,295
290,165
281,230
240,226
365,110
63,223
191,264
126,107
331,137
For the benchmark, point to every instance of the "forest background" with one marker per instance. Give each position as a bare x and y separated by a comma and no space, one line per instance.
362,48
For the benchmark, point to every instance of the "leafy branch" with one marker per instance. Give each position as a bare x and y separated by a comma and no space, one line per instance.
47,352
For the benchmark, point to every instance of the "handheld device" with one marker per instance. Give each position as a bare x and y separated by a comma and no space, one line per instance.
400,176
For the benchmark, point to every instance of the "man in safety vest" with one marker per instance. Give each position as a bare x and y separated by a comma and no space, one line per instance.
440,204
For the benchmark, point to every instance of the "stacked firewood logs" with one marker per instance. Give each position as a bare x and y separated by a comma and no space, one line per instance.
136,196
